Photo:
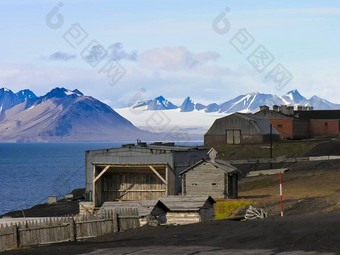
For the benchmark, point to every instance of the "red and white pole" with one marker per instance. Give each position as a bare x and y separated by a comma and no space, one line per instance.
281,194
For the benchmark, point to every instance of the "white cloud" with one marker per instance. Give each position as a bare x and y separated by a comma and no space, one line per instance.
174,58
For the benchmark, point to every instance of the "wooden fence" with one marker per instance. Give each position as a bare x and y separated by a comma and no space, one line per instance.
64,229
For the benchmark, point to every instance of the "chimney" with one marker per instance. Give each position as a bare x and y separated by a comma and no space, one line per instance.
264,107
283,109
299,107
304,108
275,108
310,108
290,110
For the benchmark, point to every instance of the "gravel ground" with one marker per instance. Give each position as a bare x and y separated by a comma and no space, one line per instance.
313,234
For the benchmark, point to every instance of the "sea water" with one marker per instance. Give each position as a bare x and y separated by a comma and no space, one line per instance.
30,172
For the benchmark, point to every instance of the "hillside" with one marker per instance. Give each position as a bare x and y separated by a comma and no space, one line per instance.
63,115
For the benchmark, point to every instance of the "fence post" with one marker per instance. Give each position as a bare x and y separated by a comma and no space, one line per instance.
16,237
115,222
72,230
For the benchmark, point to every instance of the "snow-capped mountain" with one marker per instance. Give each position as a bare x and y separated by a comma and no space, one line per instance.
8,99
250,102
159,103
189,105
65,115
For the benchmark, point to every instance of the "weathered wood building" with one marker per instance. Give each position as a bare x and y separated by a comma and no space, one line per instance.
214,177
151,212
189,209
240,128
137,172
127,181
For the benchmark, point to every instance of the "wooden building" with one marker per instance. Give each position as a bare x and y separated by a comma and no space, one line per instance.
189,209
127,181
213,177
158,155
152,212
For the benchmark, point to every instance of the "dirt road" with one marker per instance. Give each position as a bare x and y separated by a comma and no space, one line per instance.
287,235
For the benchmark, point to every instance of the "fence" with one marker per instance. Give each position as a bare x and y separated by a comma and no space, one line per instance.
64,229
282,159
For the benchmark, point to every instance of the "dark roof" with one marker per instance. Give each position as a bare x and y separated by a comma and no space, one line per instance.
186,203
318,114
155,147
220,164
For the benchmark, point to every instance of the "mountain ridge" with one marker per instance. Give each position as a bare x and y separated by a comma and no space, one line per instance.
245,103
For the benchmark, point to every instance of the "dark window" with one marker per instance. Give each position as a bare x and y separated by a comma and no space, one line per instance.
326,124
280,125
194,184
214,184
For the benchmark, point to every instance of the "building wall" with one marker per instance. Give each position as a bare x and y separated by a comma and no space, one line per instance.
205,179
177,160
301,129
324,127
182,218
283,126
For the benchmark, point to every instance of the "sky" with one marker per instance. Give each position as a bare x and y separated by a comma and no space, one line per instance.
125,51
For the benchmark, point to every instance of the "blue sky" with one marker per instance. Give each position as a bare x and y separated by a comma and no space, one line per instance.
170,48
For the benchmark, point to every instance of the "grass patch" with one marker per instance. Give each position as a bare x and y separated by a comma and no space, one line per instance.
224,210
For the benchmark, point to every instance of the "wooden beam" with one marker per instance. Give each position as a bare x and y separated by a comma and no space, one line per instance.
101,173
159,176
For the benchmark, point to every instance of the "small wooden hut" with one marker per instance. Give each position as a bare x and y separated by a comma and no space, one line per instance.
216,178
188,209
152,212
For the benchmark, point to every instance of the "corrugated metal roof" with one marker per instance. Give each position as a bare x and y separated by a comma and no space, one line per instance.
186,203
144,207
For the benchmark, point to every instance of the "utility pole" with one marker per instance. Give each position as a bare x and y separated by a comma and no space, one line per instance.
271,145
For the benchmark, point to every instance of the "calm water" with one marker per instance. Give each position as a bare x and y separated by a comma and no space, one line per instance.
30,172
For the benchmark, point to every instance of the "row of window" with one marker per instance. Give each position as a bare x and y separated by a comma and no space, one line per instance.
281,125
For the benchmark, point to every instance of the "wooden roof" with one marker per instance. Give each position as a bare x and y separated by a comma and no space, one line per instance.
220,164
144,207
186,203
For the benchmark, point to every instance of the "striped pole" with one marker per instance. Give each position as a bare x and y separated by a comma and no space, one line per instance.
281,194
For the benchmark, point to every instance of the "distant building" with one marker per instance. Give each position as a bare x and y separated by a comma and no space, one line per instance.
138,172
240,128
303,123
284,121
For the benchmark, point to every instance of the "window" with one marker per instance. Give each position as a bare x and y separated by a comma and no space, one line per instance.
194,184
280,125
214,184
326,124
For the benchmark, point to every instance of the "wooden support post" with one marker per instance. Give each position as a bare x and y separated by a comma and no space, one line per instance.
72,230
16,237
115,223
167,178
101,173
158,175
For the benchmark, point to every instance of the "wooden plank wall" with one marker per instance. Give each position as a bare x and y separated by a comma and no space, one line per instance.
64,229
134,186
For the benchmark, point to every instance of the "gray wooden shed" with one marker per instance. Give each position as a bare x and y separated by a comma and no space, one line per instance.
176,157
189,209
151,212
215,178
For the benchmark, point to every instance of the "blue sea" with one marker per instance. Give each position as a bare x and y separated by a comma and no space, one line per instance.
30,172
